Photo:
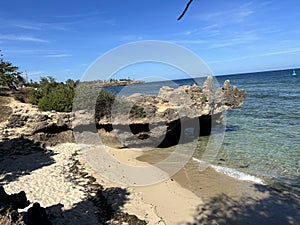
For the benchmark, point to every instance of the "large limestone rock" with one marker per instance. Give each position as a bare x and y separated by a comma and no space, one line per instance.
134,121
49,128
173,104
142,120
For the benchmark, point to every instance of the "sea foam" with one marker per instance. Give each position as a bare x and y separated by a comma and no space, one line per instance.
234,173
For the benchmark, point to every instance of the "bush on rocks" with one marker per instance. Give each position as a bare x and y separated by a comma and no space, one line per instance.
51,95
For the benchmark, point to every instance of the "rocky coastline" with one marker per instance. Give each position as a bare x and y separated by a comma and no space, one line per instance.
28,131
37,166
161,117
173,116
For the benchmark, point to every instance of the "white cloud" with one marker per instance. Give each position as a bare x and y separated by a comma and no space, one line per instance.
190,41
290,51
231,39
57,55
189,32
30,26
234,41
33,25
34,73
12,37
235,14
131,37
81,15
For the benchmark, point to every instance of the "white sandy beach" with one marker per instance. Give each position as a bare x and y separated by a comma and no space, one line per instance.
208,198
163,203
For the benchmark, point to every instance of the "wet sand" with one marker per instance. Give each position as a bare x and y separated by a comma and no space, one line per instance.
227,200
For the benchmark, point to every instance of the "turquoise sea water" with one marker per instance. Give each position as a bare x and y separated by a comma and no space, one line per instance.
263,136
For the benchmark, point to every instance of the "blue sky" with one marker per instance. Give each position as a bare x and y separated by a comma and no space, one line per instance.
62,38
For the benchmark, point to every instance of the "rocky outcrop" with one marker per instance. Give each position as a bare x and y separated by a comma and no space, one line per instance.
49,128
173,116
172,104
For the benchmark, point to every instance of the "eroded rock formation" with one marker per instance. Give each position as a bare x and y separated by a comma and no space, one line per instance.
173,116
49,128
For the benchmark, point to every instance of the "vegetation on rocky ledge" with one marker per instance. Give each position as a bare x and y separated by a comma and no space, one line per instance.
52,95
9,74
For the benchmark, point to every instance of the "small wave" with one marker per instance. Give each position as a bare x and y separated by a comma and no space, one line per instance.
234,173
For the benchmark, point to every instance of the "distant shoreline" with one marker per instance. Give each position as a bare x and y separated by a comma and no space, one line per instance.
258,72
115,82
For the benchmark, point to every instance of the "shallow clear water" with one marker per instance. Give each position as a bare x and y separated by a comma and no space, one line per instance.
266,135
263,136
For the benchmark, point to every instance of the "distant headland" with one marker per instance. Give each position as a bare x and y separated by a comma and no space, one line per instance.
116,82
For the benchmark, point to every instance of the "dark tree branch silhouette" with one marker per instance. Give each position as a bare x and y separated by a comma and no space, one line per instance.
185,9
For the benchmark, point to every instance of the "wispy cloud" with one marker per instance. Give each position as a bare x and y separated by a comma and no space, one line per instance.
88,17
42,26
272,53
32,25
190,41
46,53
189,32
235,40
35,73
290,51
212,30
235,14
56,55
225,40
29,27
12,37
33,51
131,37
80,15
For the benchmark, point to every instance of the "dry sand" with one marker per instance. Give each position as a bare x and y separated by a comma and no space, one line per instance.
189,197
164,203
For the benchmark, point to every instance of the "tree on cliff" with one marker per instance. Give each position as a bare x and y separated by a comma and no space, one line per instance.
9,74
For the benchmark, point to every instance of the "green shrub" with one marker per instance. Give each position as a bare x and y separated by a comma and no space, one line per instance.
59,99
104,104
137,112
51,95
35,96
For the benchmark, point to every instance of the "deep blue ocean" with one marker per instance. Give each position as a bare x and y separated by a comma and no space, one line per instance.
262,137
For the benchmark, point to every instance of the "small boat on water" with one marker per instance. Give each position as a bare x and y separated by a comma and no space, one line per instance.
294,73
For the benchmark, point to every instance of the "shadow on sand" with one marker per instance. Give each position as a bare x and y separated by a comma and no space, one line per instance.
276,208
21,156
94,210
